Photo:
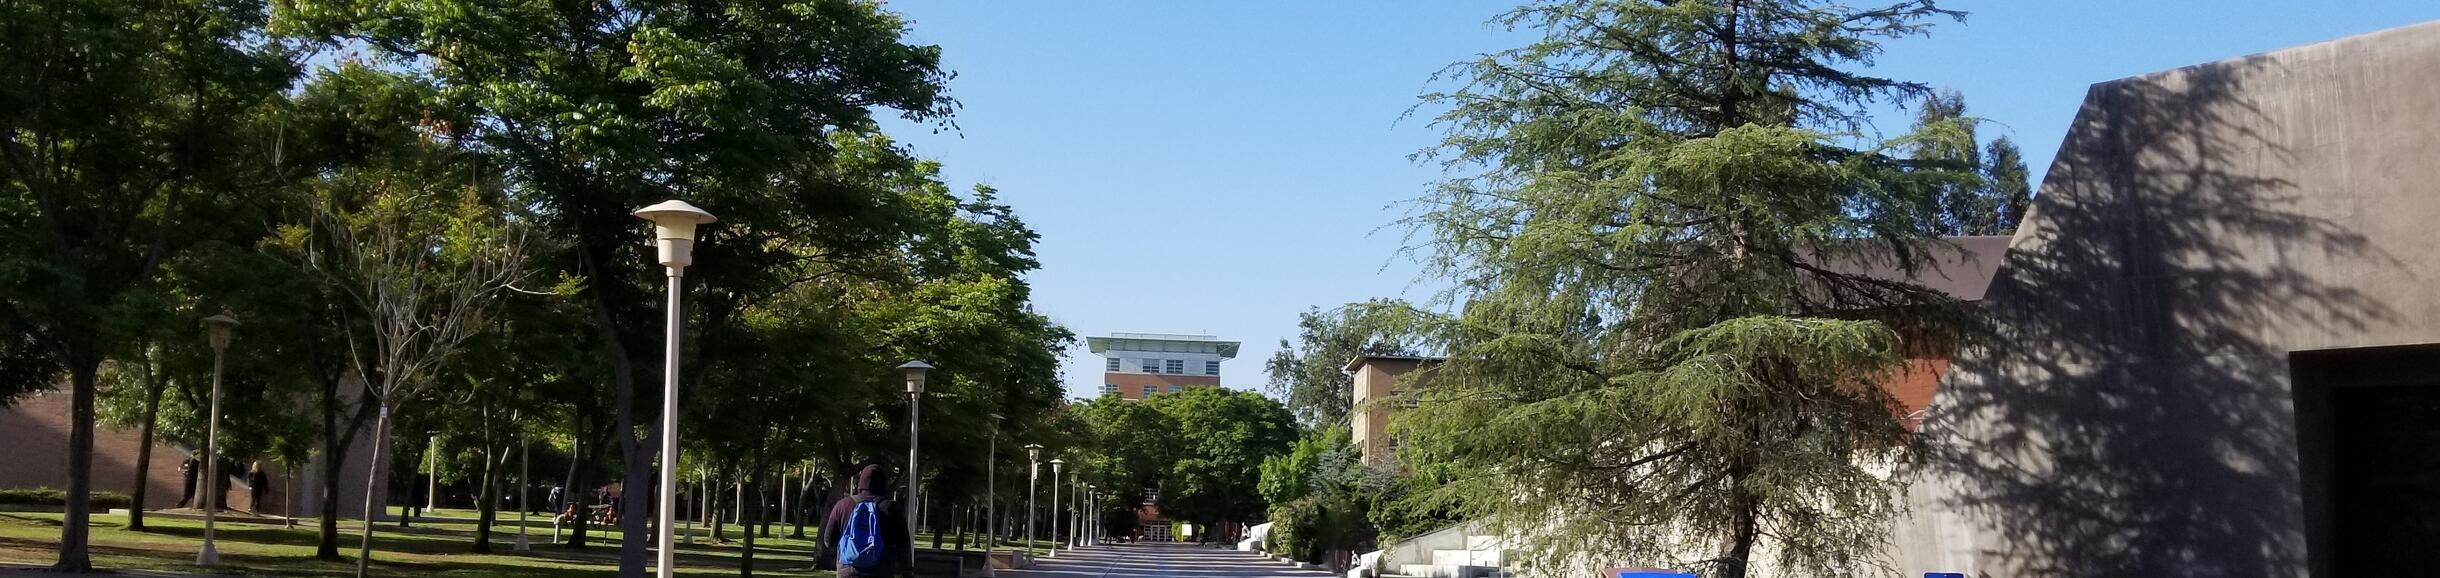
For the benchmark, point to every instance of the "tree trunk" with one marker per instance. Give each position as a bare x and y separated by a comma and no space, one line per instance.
754,477
75,530
153,384
372,480
487,498
336,443
638,453
571,494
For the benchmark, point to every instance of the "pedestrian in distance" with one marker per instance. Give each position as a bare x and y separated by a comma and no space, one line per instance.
256,483
866,534
189,469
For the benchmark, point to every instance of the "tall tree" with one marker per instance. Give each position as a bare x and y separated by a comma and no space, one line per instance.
1310,374
116,118
1656,358
2010,183
1226,435
598,108
1991,204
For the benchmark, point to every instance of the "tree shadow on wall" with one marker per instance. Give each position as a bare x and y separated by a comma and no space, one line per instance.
2129,417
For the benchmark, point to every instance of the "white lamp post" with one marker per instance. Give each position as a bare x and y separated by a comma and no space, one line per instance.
525,450
1092,521
673,226
914,371
216,328
1033,479
1056,513
991,528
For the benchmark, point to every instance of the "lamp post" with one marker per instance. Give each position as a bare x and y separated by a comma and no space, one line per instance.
525,450
1092,522
1033,488
1056,513
991,469
216,328
673,225
914,371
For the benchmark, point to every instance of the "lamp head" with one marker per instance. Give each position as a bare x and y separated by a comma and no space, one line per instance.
217,328
1055,463
914,371
673,229
1033,452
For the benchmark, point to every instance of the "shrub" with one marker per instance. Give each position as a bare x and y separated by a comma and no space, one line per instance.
54,497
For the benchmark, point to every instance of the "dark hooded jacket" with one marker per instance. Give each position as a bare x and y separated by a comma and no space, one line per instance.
897,540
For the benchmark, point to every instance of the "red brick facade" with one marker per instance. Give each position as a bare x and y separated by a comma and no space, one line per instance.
1138,385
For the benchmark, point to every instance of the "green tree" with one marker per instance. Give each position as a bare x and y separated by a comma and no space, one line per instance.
594,109
2010,183
1136,447
1226,434
1322,496
117,119
1310,374
1991,204
1656,359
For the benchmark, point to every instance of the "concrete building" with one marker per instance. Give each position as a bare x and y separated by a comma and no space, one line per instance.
2219,335
1377,392
1137,365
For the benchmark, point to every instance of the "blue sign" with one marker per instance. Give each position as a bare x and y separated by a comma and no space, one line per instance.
1944,575
1643,574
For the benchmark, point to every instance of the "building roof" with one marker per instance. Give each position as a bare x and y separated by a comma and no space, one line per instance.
1163,342
1963,270
1359,360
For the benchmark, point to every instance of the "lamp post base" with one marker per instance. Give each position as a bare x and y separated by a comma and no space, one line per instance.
210,556
521,544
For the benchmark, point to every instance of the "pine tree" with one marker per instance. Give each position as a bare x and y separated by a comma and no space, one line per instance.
1655,359
2009,184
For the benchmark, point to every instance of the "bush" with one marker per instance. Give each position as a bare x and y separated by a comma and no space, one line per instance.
53,497
1295,530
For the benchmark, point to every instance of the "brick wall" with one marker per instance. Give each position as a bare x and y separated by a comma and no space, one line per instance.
1132,385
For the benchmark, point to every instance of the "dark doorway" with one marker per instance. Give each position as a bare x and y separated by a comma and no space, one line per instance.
2386,480
2368,441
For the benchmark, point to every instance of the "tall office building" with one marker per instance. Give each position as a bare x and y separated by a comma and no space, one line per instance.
1142,364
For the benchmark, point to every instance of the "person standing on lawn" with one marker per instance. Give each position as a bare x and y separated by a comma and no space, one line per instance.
189,469
860,523
256,483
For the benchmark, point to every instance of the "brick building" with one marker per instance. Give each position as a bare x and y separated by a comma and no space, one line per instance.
1137,365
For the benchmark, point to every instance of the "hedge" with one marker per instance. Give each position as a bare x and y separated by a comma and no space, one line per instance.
52,497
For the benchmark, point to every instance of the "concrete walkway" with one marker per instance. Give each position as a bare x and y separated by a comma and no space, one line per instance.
1159,560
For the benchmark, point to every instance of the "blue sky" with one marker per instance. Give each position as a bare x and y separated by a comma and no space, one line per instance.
1217,167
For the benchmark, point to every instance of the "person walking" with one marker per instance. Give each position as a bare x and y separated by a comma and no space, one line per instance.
189,470
256,484
866,533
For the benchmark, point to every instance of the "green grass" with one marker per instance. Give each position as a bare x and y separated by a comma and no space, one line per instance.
429,549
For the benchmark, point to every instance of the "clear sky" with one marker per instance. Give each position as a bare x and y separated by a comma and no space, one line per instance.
1217,167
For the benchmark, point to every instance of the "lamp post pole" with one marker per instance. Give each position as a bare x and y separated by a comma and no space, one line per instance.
991,469
1056,513
1033,489
525,450
673,224
914,371
217,329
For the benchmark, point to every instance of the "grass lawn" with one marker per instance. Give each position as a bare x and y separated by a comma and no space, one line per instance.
426,550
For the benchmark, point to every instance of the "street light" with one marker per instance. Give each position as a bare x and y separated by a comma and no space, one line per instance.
914,371
1056,513
1033,489
216,328
673,224
1092,523
991,509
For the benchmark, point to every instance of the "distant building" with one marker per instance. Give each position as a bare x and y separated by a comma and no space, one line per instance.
1377,391
1137,365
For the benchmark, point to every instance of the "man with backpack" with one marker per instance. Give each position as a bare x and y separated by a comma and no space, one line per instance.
866,534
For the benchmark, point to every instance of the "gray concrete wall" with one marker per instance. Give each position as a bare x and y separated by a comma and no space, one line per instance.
2134,416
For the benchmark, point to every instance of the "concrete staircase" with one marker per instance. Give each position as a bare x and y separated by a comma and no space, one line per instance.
1458,551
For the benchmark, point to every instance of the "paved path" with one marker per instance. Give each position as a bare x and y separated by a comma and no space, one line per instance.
1156,560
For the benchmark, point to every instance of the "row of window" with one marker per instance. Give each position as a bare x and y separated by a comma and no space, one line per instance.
1173,366
1111,388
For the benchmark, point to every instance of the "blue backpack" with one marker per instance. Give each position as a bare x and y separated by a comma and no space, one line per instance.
860,541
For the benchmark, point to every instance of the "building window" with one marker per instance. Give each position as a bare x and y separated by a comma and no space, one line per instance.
1113,364
1109,388
1152,366
1174,388
1175,366
1211,368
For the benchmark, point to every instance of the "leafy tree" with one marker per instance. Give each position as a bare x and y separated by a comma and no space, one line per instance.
1655,358
1310,374
597,108
1226,435
1136,446
1989,205
120,118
